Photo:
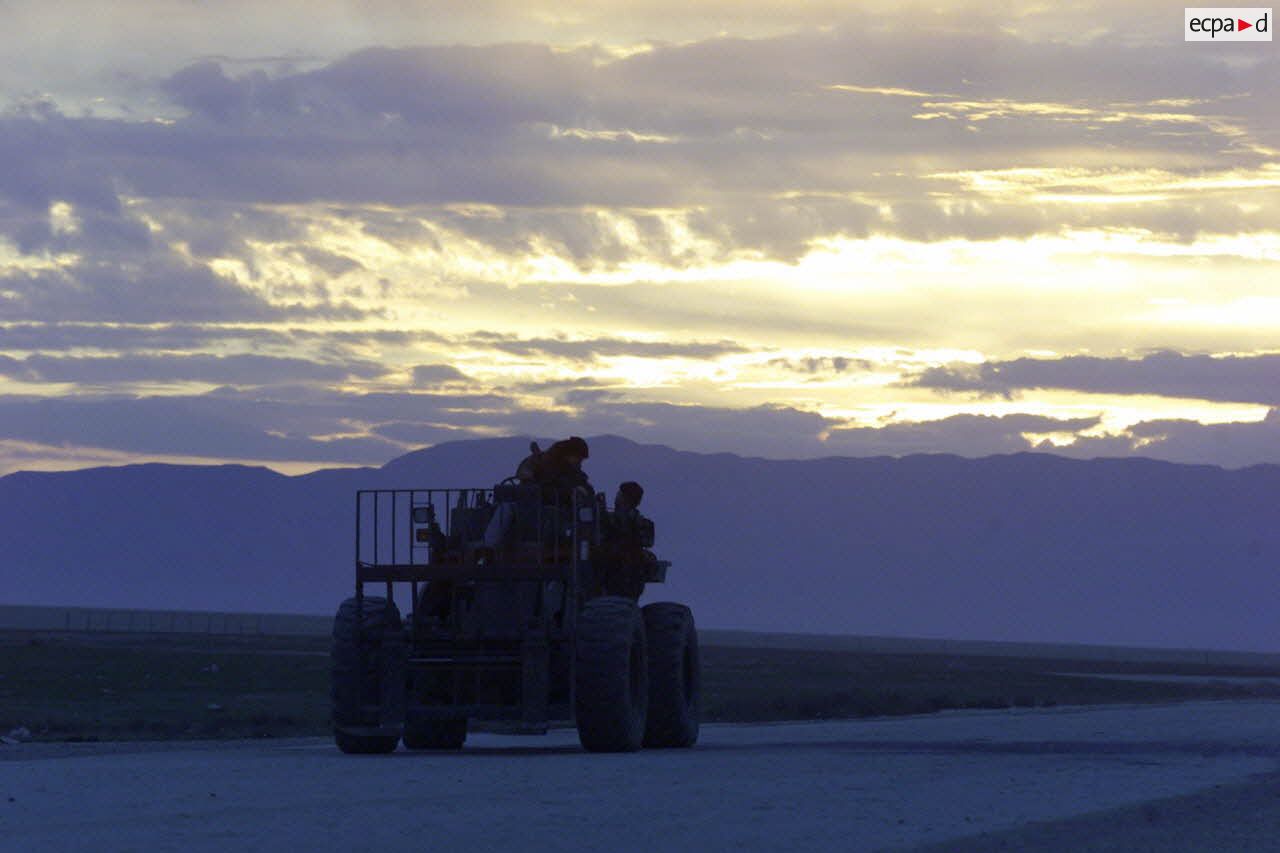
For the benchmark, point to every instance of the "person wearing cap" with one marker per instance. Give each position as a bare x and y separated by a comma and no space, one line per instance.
558,469
557,473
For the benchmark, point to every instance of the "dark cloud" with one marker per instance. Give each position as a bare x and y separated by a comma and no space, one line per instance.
173,426
43,160
306,423
233,369
685,153
1245,379
419,434
821,364
107,234
773,431
299,423
558,386
591,397
755,137
211,229
205,90
592,237
1231,445
330,263
427,375
152,290
177,336
966,435
785,229
776,431
470,409
150,285
479,89
594,348
61,182
284,423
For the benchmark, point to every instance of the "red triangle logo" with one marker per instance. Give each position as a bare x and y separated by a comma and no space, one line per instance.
1244,25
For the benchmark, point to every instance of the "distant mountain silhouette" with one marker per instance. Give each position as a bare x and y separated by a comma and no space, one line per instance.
1020,547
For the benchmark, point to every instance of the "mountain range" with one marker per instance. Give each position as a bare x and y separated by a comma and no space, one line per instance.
1029,546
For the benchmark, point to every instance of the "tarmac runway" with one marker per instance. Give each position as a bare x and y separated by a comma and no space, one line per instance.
1123,778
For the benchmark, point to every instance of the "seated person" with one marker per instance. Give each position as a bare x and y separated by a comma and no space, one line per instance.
558,471
627,557
626,505
559,467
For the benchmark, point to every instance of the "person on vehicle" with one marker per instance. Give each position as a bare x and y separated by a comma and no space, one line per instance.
626,503
559,466
558,471
627,536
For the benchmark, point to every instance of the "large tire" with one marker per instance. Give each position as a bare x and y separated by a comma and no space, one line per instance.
381,680
675,676
435,734
611,676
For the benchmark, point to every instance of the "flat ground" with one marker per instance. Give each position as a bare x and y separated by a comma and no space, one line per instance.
82,686
1180,777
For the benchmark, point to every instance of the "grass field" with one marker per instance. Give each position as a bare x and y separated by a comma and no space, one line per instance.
147,687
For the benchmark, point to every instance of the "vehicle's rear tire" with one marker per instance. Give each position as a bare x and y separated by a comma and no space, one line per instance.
611,676
378,680
435,734
675,676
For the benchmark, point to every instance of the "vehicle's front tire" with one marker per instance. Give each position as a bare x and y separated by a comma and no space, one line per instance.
675,676
368,663
611,675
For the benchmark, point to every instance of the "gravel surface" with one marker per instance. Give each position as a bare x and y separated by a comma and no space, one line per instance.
1240,818
1056,779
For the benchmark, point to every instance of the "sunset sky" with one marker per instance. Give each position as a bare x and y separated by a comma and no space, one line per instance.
313,234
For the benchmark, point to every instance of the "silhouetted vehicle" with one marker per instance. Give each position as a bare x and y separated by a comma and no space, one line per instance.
516,632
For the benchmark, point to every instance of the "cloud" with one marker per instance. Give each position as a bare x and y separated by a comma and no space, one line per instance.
585,200
559,386
821,364
273,423
107,266
591,349
173,426
173,336
1244,379
429,375
768,430
768,144
281,340
234,369
42,161
299,423
308,424
145,37
966,435
1231,445
149,290
421,434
